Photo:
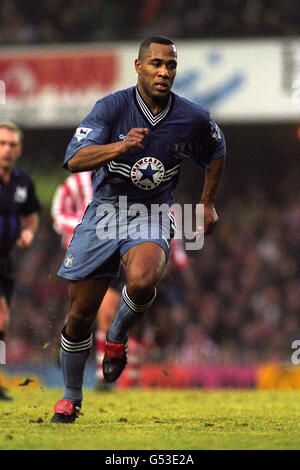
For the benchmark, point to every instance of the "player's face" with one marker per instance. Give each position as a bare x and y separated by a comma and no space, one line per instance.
157,71
10,148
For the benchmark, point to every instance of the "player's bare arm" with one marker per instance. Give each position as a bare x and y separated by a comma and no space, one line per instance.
93,156
212,180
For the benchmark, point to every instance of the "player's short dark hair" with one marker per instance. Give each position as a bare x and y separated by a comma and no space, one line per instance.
11,126
153,39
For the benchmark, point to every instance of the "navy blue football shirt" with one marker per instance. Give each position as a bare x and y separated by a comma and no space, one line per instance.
17,198
183,130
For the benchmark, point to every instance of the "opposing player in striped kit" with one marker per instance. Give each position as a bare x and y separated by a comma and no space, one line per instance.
69,202
134,140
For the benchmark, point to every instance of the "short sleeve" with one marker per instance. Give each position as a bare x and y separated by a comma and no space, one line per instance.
213,140
95,129
32,204
209,144
206,143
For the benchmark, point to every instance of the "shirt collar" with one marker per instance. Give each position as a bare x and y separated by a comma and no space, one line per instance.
153,119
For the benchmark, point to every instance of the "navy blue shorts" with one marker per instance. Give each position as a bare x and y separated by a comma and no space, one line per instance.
103,237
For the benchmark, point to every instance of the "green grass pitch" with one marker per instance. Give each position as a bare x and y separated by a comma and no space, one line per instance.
154,420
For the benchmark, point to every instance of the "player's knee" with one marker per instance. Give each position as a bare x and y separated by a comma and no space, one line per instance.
140,286
80,323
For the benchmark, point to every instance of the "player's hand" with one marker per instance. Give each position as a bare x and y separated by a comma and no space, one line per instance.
25,239
134,138
210,219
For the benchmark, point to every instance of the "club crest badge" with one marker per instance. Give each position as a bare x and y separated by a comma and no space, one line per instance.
147,173
21,194
68,261
215,130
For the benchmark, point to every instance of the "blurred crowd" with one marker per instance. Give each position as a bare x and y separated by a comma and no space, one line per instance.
52,21
248,274
242,305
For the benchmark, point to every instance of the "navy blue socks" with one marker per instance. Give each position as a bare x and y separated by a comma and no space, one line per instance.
73,356
127,315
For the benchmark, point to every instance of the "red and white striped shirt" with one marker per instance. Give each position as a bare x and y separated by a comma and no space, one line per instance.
69,203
